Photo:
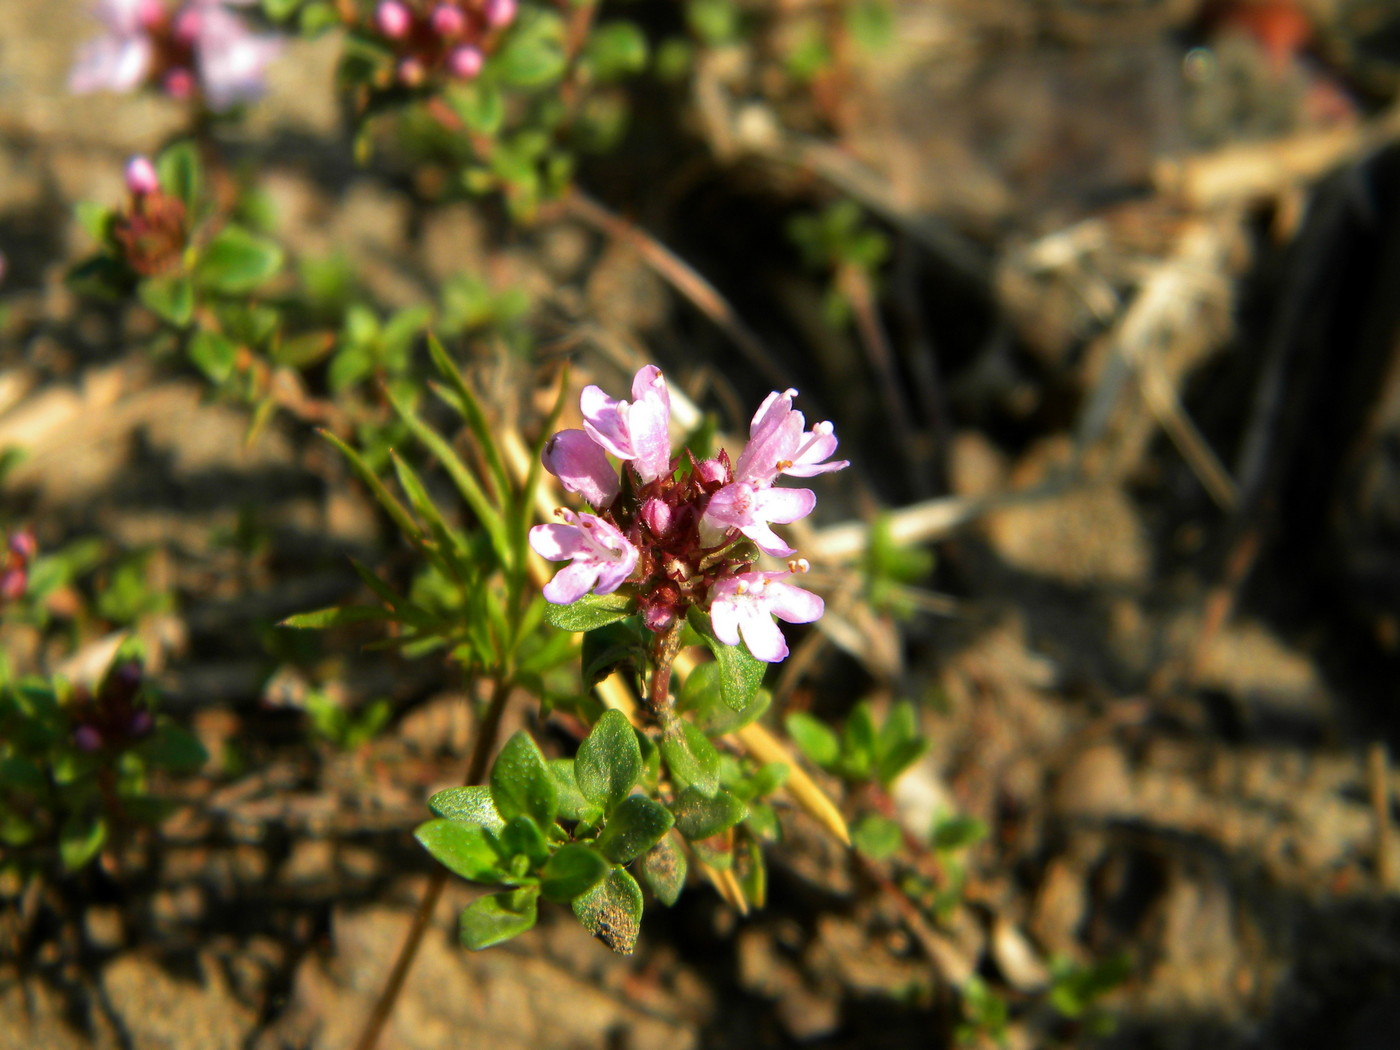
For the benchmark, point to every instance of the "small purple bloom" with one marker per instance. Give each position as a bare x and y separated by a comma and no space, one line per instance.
600,556
778,443
581,466
22,544
13,583
637,431
744,605
87,738
749,507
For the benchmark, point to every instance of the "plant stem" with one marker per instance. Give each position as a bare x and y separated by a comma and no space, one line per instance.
476,771
663,656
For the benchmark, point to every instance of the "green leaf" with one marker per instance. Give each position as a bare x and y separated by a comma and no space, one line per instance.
497,918
178,169
279,10
533,52
174,748
702,698
317,17
954,833
871,24
691,758
877,837
615,49
392,506
467,805
612,646
715,22
663,869
169,298
335,616
464,849
213,354
633,827
699,816
521,784
522,837
94,218
236,261
814,738
572,871
858,743
590,611
612,911
609,761
572,804
80,839
741,673
480,104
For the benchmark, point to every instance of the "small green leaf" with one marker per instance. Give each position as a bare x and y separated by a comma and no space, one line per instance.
467,805
741,673
858,743
572,871
80,839
169,298
614,645
663,869
572,804
497,918
699,817
609,761
480,104
953,833
532,54
590,611
877,837
178,169
633,827
237,261
335,616
612,911
95,218
691,758
702,698
213,354
462,848
521,784
814,738
522,837
615,49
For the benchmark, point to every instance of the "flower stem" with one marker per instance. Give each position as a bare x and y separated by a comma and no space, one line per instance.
663,655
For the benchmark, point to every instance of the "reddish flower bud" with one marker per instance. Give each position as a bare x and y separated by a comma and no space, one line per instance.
87,738
23,545
448,21
179,83
657,516
411,73
500,13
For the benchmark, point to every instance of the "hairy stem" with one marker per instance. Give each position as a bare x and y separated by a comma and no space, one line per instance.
663,656
476,772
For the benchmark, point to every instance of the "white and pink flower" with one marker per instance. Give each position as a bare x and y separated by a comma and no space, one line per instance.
599,555
743,606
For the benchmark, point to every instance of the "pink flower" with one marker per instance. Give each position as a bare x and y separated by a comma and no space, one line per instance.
779,445
637,431
749,507
120,59
600,558
500,13
465,62
581,466
746,604
448,21
231,59
393,19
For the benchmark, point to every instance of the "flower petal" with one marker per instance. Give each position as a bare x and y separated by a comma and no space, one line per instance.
603,420
783,505
793,604
556,542
581,466
767,540
571,582
761,634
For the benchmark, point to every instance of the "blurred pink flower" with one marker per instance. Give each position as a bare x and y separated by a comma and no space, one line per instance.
120,59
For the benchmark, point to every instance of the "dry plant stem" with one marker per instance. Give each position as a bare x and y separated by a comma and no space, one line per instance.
951,961
1378,773
680,276
476,771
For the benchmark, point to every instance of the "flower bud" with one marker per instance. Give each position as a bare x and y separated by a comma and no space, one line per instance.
141,177
87,738
657,516
465,62
22,544
13,583
393,19
179,83
712,472
150,13
448,20
140,725
187,25
500,13
411,73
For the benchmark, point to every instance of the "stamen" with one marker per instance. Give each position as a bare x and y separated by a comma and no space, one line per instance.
799,565
783,464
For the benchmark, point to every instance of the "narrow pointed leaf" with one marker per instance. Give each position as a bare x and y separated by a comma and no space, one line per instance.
475,417
395,509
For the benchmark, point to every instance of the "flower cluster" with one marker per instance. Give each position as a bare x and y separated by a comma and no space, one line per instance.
19,551
152,230
684,532
447,35
200,48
